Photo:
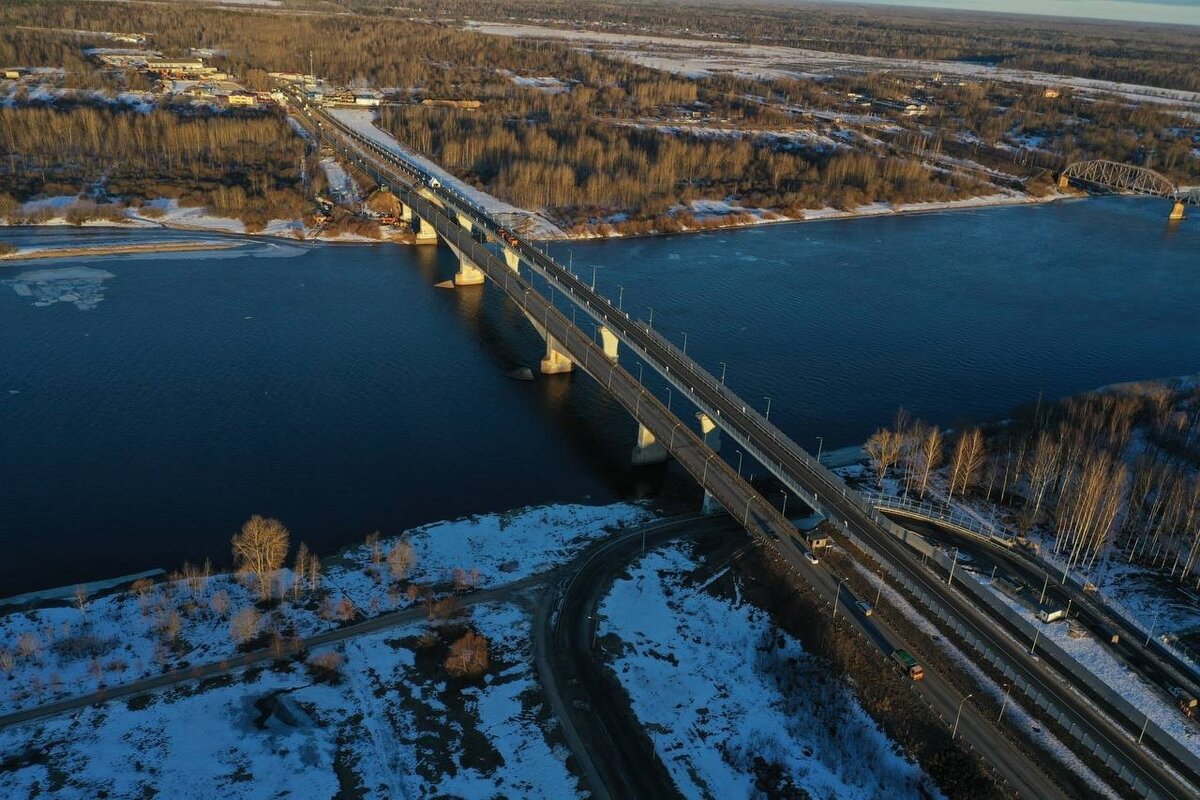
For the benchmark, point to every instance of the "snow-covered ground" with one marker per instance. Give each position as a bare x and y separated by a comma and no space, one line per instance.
341,186
700,57
1099,660
395,726
717,685
61,651
524,221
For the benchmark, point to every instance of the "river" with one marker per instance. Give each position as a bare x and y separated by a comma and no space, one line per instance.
144,415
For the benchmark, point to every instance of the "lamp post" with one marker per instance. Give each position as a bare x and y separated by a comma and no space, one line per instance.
594,268
820,447
879,588
684,342
723,366
650,324
768,414
954,732
783,510
668,398
620,297
953,564
836,596
739,455
1003,703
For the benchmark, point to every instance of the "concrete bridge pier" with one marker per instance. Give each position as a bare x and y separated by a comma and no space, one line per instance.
609,341
1177,212
464,221
406,213
712,438
1064,182
511,258
423,231
648,450
468,273
556,361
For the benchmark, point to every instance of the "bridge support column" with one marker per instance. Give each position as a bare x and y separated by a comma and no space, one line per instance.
609,341
555,361
465,222
648,450
1177,211
424,232
512,259
712,438
406,213
1064,182
468,273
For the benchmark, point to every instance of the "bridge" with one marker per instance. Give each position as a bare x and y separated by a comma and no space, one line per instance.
1113,176
538,285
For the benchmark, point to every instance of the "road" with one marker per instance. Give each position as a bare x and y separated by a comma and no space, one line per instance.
795,468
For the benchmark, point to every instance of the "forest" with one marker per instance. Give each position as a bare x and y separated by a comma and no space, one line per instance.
591,150
248,167
1106,475
1148,54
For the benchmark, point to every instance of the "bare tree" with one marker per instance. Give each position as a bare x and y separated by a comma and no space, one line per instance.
244,625
259,551
883,447
400,560
80,599
969,455
468,656
930,455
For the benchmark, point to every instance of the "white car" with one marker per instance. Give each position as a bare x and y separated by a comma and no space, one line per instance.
811,558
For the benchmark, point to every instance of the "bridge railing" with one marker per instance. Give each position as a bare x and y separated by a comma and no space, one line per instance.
939,512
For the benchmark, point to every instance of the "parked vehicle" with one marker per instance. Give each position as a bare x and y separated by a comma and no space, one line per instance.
811,558
905,659
1186,702
865,607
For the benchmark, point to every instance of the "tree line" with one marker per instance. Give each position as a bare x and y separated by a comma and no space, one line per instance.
1107,475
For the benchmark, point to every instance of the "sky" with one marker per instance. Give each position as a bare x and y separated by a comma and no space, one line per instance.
1184,12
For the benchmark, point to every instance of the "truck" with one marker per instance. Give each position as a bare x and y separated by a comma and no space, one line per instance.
1049,613
1186,702
905,659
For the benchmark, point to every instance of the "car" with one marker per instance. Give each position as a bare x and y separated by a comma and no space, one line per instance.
811,558
864,607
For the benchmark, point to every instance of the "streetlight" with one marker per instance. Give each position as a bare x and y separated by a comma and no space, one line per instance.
620,297
768,416
685,343
668,398
594,277
650,324
820,446
739,455
879,587
1003,703
723,366
1150,635
959,714
836,596
953,564
783,510
639,372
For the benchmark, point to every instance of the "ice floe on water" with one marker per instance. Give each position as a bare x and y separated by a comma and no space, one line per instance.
81,286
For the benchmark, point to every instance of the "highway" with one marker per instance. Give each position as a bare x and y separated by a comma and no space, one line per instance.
795,468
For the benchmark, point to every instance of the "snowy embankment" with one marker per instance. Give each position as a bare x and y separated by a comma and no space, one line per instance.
1117,675
715,685
394,726
526,222
63,651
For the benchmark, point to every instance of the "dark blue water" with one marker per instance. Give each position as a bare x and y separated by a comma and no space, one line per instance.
335,388
955,316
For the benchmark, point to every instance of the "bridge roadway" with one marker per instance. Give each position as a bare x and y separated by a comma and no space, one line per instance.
787,461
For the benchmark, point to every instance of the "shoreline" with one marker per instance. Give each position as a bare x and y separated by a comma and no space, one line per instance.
408,240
